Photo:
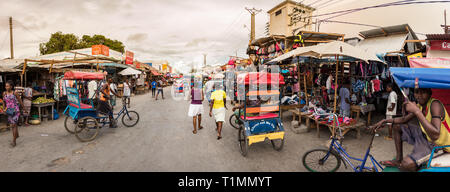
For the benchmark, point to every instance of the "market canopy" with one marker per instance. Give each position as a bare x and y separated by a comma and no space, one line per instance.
427,77
130,71
330,50
78,75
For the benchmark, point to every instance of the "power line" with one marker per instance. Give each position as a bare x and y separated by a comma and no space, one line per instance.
376,6
314,3
30,31
329,1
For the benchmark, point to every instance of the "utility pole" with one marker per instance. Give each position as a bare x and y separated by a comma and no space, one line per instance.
11,37
253,12
445,26
204,59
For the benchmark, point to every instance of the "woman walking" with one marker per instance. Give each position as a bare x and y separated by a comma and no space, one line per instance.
196,107
10,100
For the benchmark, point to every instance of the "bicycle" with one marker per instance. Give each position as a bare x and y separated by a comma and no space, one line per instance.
335,154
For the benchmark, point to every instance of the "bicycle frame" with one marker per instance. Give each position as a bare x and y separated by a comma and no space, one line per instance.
123,111
345,156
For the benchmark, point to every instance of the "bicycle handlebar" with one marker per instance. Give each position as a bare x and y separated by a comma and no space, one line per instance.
334,116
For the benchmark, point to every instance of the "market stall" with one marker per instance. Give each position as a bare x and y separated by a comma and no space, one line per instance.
334,50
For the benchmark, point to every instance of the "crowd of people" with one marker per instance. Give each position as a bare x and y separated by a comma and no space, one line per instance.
16,102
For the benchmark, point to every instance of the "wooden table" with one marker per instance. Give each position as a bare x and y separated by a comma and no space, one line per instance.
39,106
345,128
297,113
357,109
289,107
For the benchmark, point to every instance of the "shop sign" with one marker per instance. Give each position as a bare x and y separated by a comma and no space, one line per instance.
100,50
417,55
138,65
443,45
129,57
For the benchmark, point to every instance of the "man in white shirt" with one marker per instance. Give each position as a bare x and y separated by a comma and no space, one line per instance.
92,88
126,92
328,86
391,109
113,87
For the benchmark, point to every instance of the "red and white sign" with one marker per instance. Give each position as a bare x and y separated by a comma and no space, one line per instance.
443,45
100,50
429,63
105,50
129,57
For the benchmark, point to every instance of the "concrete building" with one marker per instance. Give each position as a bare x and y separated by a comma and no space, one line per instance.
290,17
161,65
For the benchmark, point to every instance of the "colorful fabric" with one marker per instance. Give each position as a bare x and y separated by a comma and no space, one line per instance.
11,102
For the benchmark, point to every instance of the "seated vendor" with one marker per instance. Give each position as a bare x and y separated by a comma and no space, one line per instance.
432,131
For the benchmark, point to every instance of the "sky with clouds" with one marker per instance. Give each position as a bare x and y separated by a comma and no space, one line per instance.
181,31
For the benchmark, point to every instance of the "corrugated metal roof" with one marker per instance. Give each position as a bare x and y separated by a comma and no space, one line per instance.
386,31
380,45
438,36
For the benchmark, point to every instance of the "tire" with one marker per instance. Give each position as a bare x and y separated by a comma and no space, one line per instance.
130,119
87,129
234,121
277,144
70,124
243,141
333,159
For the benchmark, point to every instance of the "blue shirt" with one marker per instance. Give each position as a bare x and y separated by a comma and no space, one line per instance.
154,84
343,94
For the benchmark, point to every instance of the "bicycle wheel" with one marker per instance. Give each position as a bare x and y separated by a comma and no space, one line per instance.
87,129
317,160
243,141
130,119
234,122
70,124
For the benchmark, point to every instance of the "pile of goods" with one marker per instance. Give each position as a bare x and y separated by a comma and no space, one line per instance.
41,100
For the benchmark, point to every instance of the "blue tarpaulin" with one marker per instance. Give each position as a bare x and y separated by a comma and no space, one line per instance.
435,78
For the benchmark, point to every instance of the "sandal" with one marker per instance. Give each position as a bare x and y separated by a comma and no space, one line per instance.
201,127
219,137
391,163
195,132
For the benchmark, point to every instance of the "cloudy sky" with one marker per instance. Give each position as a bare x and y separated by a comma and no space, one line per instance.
181,31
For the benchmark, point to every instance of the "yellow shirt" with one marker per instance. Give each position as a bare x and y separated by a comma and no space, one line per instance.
444,132
218,97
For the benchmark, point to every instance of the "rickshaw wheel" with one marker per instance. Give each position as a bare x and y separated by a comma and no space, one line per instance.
277,144
234,122
131,119
70,124
87,129
243,141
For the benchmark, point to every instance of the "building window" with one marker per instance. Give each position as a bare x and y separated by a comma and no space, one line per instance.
278,12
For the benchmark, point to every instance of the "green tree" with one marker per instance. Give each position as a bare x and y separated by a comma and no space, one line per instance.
64,42
59,42
88,41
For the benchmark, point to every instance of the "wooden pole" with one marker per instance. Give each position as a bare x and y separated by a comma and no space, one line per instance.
24,66
335,93
11,37
304,85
